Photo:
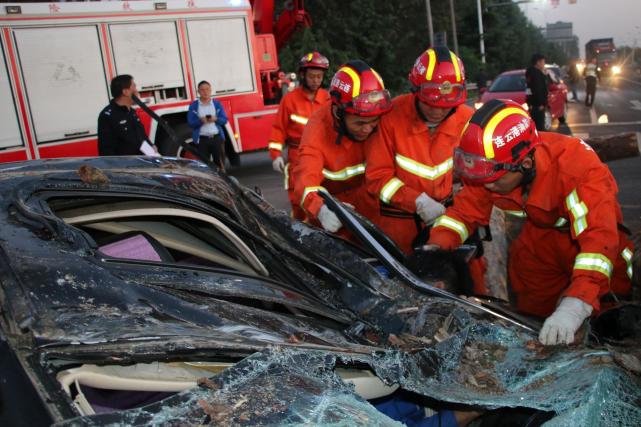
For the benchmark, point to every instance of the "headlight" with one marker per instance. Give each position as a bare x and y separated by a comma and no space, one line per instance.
478,105
525,106
616,69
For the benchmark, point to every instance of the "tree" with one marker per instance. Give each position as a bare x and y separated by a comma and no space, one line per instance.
389,36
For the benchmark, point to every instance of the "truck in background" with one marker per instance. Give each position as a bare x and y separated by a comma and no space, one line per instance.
58,59
605,53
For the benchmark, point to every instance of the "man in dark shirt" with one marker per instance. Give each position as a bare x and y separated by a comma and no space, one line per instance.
120,132
537,90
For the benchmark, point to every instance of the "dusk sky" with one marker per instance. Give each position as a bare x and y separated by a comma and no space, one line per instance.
592,19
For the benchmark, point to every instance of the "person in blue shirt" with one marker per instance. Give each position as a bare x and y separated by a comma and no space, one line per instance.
399,408
206,116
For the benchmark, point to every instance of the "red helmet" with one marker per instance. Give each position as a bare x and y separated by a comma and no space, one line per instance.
495,140
438,78
358,89
313,60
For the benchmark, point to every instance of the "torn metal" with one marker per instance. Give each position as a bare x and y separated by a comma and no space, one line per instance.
323,304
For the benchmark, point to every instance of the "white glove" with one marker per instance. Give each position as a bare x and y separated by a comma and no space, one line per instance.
428,209
279,164
561,326
328,219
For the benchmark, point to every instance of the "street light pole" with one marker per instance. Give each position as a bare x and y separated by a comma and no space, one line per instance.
430,29
454,26
480,12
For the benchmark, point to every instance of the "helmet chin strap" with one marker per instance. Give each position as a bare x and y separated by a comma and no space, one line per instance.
528,173
341,127
303,80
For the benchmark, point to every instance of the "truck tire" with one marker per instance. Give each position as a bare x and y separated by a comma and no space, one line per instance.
166,146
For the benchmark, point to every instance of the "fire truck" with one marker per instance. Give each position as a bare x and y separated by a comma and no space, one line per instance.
58,60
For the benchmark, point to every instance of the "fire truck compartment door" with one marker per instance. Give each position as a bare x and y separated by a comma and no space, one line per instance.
64,78
10,135
149,52
220,54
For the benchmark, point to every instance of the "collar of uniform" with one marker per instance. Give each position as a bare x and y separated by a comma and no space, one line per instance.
123,108
406,107
454,122
543,190
211,102
331,131
319,98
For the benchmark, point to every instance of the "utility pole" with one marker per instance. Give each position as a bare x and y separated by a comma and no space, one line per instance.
454,27
430,29
480,11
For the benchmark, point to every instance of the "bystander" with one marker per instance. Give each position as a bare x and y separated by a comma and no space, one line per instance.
120,132
537,90
206,116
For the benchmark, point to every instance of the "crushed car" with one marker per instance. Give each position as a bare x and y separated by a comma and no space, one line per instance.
153,291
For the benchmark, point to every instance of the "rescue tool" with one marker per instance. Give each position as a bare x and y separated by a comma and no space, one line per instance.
407,276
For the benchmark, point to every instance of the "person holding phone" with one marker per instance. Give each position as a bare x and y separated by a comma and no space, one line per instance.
206,116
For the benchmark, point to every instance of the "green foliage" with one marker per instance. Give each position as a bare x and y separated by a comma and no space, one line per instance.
389,36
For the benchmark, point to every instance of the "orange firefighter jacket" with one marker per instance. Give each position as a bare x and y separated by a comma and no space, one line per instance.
572,192
404,160
325,165
294,112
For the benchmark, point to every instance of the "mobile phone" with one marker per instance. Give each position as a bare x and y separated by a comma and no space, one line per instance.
208,116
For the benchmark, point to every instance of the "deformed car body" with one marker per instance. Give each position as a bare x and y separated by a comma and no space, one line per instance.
147,291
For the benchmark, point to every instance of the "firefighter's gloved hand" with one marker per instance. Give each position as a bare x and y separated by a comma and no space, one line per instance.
328,219
428,209
561,326
428,247
279,164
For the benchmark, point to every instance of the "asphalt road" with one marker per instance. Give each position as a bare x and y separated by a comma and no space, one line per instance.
619,100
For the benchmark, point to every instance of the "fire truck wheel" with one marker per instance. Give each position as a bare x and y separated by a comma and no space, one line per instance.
166,146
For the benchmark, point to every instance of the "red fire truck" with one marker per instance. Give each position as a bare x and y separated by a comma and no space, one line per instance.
58,60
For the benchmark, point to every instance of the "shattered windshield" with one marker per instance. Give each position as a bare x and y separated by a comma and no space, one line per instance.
477,364
155,308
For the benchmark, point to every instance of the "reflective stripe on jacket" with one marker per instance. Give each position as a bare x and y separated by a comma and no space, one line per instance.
404,160
572,187
323,165
293,113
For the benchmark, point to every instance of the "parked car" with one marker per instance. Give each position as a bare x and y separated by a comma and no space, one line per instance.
151,291
511,85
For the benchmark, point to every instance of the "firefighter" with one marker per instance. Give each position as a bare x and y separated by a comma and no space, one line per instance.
409,160
331,152
295,109
571,254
